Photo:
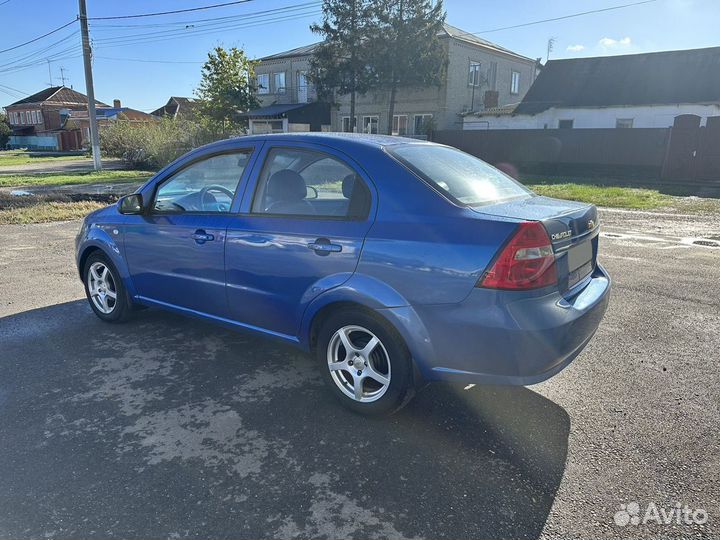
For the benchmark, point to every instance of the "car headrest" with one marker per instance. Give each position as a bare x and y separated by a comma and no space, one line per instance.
348,184
286,185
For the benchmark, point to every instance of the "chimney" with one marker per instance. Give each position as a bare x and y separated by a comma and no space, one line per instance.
491,99
116,104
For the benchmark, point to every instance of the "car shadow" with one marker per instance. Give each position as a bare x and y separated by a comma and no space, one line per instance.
167,425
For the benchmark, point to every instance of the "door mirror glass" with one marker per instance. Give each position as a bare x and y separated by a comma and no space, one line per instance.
131,204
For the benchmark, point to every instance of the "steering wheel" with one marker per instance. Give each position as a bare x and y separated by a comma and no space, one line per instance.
215,187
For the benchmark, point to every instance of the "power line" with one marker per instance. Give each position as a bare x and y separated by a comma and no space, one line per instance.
561,18
197,22
39,37
151,61
119,41
139,15
266,16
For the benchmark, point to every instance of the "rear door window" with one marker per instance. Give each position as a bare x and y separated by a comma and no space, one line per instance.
308,183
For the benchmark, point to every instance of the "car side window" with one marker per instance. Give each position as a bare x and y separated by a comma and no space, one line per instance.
206,186
299,182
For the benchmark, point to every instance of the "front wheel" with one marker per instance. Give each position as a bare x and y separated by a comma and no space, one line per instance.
105,290
365,362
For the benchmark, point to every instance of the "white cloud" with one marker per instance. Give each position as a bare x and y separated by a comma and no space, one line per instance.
575,48
610,43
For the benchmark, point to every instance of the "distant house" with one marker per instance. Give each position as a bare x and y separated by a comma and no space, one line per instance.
177,107
80,119
480,74
629,91
37,120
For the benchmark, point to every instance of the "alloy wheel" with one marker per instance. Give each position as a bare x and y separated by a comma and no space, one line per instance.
101,285
359,363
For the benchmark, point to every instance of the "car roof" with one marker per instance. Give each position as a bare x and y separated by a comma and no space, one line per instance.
338,140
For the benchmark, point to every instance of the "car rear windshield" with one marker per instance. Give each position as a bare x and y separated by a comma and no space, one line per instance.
463,178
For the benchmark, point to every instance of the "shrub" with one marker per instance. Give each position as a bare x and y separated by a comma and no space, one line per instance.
155,144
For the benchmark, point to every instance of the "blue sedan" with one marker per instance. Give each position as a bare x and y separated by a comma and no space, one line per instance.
393,261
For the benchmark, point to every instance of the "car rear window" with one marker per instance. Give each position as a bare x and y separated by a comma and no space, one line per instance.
463,178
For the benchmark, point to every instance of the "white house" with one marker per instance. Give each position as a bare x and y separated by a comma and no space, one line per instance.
630,91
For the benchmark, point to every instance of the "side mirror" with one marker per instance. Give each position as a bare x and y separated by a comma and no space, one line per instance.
131,204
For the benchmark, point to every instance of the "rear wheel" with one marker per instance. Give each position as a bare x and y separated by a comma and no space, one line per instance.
105,290
365,362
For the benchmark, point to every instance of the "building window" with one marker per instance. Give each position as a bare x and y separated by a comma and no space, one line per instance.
22,117
346,127
474,74
34,117
400,124
421,123
515,82
16,119
40,117
370,124
263,83
565,124
624,123
279,80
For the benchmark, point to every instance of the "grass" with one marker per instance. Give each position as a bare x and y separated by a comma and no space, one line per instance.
20,157
46,208
608,196
81,177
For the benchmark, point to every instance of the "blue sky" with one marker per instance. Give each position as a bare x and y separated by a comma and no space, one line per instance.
173,51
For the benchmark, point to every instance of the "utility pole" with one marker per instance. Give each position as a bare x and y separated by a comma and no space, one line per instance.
94,137
49,73
62,75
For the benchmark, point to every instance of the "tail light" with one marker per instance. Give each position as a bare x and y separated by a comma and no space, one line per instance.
526,262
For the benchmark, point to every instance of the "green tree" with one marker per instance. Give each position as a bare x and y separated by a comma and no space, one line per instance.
407,48
341,61
5,130
226,88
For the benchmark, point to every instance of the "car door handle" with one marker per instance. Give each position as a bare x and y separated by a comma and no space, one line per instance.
322,246
201,237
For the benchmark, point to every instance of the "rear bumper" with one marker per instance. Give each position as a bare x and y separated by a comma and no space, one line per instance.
504,337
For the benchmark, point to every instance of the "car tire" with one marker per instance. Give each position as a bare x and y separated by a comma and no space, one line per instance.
102,281
371,379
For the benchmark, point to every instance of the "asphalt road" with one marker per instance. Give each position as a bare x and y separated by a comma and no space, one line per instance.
168,427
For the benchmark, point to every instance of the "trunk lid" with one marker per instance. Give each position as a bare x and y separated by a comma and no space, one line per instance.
572,228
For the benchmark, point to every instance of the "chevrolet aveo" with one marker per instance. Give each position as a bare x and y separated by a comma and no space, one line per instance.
393,261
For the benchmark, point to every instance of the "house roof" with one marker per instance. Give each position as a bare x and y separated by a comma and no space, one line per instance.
112,112
57,95
298,51
176,105
447,31
690,76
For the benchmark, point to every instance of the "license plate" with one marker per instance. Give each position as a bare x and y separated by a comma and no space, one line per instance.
579,255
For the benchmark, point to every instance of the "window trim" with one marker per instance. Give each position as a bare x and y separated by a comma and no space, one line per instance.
475,74
514,72
261,215
263,90
150,209
363,117
22,118
423,115
274,82
407,121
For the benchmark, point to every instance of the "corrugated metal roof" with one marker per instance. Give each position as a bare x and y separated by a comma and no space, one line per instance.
448,30
689,76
